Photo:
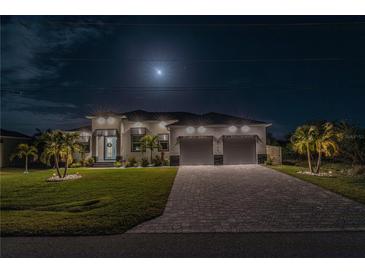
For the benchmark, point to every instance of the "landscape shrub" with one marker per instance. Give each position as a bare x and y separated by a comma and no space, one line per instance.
157,161
117,164
144,162
76,165
268,161
132,162
357,170
89,162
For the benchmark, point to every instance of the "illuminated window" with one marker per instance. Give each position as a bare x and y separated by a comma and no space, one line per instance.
136,136
163,140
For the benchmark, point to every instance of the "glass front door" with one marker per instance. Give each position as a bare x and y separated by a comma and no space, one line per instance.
110,151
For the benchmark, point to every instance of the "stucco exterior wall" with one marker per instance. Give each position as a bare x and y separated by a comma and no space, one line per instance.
152,127
123,126
217,132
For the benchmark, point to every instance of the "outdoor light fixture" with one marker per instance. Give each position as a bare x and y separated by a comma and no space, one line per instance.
110,120
232,129
162,124
201,129
101,120
190,130
245,128
138,124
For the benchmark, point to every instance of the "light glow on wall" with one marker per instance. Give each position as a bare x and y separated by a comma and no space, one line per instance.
245,128
162,124
232,129
101,120
201,129
190,130
110,120
138,124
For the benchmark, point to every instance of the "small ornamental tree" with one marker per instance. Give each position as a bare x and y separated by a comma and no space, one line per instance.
150,142
69,146
25,151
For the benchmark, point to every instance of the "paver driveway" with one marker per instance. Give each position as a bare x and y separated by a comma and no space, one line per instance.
251,198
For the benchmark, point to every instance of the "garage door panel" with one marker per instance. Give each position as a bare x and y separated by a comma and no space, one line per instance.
239,151
196,151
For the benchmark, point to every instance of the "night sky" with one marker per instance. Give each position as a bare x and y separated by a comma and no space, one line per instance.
281,69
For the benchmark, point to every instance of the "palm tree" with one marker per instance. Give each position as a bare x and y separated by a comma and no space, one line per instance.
303,142
150,142
52,141
59,146
326,138
70,146
25,151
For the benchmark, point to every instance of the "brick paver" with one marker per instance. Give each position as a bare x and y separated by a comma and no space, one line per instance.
251,198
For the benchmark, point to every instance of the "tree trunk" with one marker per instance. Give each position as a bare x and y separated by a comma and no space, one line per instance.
26,164
57,166
309,159
318,162
66,167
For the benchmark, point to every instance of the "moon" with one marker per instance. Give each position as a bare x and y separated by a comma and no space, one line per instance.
159,72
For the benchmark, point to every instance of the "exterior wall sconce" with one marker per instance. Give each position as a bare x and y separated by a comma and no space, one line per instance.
110,120
245,128
190,130
232,129
138,124
162,124
201,129
101,120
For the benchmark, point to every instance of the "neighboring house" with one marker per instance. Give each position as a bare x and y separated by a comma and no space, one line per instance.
186,138
8,143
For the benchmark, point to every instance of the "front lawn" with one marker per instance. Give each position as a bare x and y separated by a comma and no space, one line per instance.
104,201
352,187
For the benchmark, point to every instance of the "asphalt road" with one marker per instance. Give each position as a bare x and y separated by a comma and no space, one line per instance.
279,244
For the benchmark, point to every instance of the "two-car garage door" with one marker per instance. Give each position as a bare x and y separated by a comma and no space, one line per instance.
236,150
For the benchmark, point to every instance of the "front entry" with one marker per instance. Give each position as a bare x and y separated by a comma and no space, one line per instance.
196,151
110,148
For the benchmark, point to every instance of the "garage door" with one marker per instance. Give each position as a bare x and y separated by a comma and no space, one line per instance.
239,150
196,151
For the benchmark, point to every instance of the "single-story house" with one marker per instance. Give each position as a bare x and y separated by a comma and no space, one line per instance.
9,140
185,138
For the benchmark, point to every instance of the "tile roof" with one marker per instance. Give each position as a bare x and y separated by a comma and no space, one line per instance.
85,128
187,118
141,115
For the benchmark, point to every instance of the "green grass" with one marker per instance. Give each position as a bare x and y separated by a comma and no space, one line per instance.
104,201
352,187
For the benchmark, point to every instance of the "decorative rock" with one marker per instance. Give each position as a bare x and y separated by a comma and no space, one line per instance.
55,178
321,174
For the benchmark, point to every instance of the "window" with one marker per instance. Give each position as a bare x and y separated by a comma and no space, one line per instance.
84,140
136,135
163,140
